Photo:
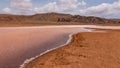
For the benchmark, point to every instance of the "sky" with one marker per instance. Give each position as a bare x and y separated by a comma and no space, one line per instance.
99,8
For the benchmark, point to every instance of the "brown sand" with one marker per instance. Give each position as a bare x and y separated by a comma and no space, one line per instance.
86,50
20,43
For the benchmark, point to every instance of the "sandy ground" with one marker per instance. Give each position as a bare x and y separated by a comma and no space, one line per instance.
86,50
20,43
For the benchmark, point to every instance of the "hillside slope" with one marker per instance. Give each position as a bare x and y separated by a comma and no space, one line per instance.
55,18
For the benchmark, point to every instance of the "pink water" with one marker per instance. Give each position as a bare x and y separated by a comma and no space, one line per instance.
18,44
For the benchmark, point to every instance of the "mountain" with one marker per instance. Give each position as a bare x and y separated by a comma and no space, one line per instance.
54,18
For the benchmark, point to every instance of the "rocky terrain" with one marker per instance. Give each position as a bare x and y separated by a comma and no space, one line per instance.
54,18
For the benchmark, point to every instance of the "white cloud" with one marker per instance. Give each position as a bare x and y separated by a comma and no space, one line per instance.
21,6
68,5
65,6
61,6
6,10
26,6
50,7
103,10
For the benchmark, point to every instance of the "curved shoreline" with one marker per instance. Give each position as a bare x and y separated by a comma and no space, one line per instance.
68,41
31,41
87,49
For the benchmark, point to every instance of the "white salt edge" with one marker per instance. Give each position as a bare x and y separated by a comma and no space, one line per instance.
68,41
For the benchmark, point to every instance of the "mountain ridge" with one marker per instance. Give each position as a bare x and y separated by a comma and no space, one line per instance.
57,18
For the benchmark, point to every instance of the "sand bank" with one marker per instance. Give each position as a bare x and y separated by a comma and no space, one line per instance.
86,50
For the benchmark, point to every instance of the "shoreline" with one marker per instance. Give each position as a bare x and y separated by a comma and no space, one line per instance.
31,41
66,26
56,53
90,29
68,41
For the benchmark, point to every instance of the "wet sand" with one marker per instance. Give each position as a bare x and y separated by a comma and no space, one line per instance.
20,43
86,50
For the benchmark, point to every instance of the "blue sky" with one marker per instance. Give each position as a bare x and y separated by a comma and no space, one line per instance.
97,2
81,7
5,3
90,2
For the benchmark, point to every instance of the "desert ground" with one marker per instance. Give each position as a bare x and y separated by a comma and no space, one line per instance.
20,43
100,49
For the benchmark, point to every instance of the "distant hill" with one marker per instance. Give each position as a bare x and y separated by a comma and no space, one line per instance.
56,18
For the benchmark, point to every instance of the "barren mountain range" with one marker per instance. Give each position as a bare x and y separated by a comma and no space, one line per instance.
54,18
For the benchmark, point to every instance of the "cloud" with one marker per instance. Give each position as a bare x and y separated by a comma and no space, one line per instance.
61,6
6,10
21,6
50,7
64,6
68,5
103,10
